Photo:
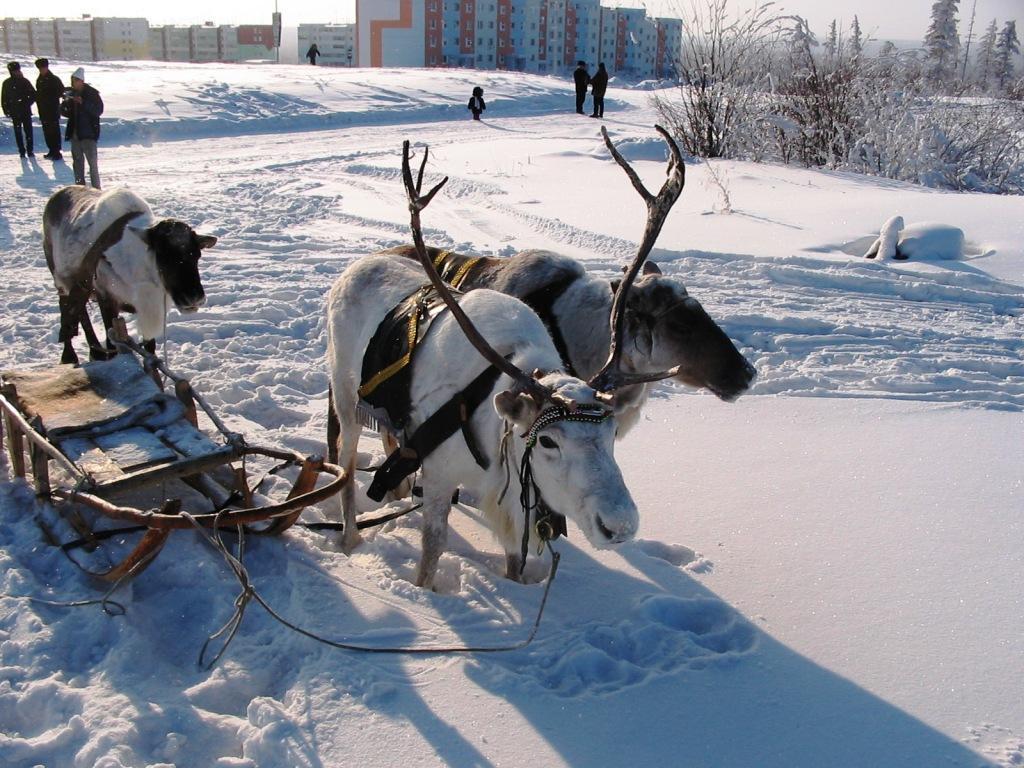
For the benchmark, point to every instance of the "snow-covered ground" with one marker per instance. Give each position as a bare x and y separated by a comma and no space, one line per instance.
826,574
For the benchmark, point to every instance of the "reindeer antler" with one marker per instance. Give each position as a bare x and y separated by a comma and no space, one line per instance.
417,203
610,377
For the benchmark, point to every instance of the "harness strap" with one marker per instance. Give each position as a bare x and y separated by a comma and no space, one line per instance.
542,301
450,418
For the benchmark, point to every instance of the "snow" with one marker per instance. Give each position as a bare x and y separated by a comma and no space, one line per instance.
827,571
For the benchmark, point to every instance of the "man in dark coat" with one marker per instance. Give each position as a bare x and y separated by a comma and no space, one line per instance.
17,97
49,89
582,79
312,53
83,109
598,85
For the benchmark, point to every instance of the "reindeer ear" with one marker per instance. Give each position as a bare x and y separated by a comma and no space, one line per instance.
519,408
206,241
615,284
650,268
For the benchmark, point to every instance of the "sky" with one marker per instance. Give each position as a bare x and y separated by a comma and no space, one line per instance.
876,17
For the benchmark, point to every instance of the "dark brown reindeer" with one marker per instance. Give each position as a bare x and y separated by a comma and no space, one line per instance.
558,429
662,327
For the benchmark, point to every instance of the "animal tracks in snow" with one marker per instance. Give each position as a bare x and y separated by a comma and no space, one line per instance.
661,634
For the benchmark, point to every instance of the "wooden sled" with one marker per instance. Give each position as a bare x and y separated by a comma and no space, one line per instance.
110,427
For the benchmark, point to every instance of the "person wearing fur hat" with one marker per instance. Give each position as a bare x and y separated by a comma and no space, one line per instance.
83,107
49,89
17,96
582,79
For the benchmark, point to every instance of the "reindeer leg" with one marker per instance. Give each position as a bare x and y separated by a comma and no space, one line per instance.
333,427
513,566
435,536
68,329
96,350
404,489
350,537
109,313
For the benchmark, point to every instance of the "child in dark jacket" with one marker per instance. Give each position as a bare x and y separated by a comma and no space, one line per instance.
476,103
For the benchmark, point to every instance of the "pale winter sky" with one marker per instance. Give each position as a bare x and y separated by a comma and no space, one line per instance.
882,19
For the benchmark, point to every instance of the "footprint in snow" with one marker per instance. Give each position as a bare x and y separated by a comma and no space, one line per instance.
677,555
662,633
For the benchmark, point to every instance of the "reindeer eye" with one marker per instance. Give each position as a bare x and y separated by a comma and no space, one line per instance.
547,442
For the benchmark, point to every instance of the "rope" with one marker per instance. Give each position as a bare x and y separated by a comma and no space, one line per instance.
249,592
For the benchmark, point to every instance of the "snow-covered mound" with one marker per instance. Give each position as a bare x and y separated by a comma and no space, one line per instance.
827,572
925,240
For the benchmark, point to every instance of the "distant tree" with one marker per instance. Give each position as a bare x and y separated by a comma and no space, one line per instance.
856,40
985,64
1007,45
801,41
970,39
942,43
832,41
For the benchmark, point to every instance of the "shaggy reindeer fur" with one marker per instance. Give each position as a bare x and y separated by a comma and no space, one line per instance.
573,467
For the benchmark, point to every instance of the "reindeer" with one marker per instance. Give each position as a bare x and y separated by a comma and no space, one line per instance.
664,326
543,447
111,244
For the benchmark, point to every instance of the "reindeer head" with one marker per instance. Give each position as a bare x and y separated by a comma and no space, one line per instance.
570,458
665,327
177,249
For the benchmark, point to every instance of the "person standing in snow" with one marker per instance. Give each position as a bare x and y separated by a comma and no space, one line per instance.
312,53
582,80
17,96
49,89
476,102
83,106
598,85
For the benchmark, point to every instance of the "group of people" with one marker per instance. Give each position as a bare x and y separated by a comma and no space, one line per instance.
80,104
598,85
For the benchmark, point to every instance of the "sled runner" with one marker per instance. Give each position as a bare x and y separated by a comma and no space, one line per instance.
110,426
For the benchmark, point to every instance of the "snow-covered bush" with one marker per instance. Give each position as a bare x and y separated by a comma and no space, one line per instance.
842,109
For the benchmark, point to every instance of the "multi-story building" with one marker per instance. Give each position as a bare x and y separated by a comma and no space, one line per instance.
669,48
177,42
204,43
118,39
255,41
336,43
544,36
74,39
227,42
156,43
393,33
44,37
17,36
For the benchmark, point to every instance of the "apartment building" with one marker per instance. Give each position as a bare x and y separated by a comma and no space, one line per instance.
204,42
542,36
17,36
336,43
43,36
669,47
255,42
120,39
74,38
393,33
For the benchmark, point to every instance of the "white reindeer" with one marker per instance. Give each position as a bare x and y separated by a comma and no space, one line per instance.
111,244
547,441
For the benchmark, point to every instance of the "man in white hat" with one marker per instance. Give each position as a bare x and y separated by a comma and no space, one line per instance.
83,107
